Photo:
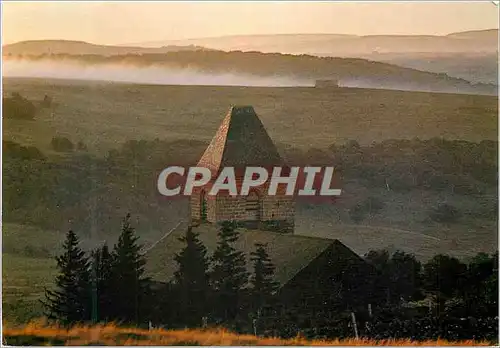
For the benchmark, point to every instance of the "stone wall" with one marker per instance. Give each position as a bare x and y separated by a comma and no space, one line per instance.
272,208
230,208
279,209
195,207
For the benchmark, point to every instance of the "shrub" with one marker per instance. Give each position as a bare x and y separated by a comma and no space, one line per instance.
357,213
80,146
47,102
62,144
17,151
444,213
18,107
371,205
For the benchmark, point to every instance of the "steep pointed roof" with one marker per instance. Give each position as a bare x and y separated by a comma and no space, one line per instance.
240,141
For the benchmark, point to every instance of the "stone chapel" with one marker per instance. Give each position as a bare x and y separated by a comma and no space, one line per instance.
242,141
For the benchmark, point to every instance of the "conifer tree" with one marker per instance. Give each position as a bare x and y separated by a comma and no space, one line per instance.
102,263
130,288
191,280
229,275
70,302
263,284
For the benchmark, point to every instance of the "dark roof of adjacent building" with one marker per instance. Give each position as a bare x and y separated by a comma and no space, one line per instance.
289,253
240,141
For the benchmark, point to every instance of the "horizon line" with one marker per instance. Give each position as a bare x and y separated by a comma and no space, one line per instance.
173,41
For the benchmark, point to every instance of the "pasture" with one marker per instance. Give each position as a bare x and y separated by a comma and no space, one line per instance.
105,115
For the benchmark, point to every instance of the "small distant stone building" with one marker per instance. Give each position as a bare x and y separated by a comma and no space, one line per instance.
327,84
242,141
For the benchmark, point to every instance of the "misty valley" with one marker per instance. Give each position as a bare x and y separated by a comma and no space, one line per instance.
407,254
418,170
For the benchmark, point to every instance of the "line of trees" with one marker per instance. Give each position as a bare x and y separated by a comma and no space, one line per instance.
18,107
443,298
103,286
110,285
37,183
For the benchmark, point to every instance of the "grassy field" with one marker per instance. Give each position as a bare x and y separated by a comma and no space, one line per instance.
28,266
104,115
403,223
37,334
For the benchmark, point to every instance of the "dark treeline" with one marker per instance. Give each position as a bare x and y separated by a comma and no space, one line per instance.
129,174
110,285
435,164
18,107
443,298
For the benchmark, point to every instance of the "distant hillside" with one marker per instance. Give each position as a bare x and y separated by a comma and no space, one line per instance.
347,45
485,41
486,35
235,68
474,67
472,55
38,47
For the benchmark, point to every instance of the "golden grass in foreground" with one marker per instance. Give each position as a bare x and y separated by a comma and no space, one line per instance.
41,334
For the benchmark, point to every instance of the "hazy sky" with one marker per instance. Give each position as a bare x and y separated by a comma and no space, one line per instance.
130,22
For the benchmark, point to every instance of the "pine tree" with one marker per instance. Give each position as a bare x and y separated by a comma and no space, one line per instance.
70,302
130,288
229,275
101,283
263,284
192,280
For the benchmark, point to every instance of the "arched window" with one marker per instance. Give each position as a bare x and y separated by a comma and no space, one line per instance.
252,206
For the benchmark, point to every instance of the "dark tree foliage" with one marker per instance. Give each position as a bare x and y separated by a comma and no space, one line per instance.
402,165
14,150
62,144
47,102
164,308
70,302
406,277
398,275
263,285
102,297
370,206
18,107
130,287
192,285
43,193
445,213
443,276
479,292
229,275
80,146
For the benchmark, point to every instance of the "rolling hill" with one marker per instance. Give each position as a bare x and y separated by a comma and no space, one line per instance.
346,45
474,67
39,47
472,55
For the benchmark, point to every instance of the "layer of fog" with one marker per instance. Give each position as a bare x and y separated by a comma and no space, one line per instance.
142,75
162,75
